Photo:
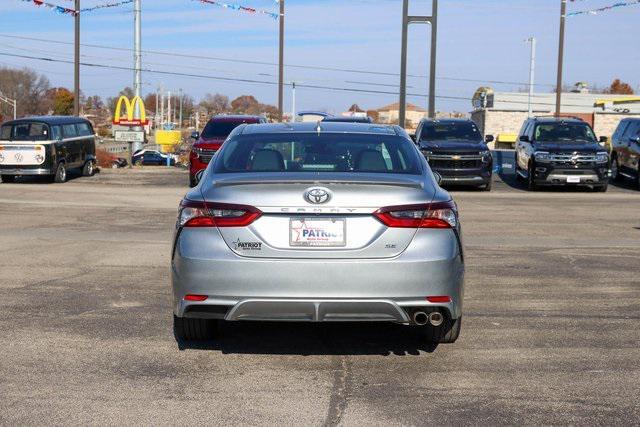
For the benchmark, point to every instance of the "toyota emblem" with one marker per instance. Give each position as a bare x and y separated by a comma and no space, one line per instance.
317,195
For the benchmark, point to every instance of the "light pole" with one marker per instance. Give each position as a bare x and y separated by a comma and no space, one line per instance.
11,102
293,102
76,61
281,62
406,21
563,16
532,66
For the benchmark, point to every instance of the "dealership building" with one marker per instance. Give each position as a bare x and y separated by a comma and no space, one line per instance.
502,114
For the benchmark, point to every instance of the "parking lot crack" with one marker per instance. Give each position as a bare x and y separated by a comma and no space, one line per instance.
339,391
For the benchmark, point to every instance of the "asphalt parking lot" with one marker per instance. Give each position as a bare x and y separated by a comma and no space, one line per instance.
551,331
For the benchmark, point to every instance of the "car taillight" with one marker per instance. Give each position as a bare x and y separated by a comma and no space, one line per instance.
207,214
430,215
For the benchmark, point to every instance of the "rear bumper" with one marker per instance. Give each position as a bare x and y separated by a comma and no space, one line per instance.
310,310
241,288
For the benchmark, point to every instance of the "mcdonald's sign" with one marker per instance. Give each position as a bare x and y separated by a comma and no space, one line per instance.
129,119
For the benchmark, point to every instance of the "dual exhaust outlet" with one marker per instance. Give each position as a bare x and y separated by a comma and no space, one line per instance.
435,318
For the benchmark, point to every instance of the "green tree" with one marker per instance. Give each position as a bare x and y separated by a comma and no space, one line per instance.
60,101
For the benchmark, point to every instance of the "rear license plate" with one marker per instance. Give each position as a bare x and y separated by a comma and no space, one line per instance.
573,179
326,232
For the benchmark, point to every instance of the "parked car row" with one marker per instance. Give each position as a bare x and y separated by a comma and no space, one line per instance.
550,151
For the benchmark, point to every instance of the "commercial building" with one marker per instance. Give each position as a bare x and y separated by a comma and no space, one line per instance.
502,113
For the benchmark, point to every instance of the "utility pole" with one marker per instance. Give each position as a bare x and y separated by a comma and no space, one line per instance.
532,69
137,53
281,62
180,121
563,16
169,112
293,102
155,116
161,107
76,61
406,21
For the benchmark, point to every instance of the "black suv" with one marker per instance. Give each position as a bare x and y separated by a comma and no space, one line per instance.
560,151
625,151
455,149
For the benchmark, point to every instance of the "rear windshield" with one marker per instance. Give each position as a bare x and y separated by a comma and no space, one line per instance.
318,153
564,132
215,129
29,131
465,131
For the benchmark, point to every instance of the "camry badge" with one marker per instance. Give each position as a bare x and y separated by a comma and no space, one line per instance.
317,195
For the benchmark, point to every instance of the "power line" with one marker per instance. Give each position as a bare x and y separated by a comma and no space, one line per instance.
228,79
247,61
263,82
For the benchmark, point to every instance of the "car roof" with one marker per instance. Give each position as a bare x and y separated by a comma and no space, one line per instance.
366,119
234,118
319,127
558,119
50,120
448,120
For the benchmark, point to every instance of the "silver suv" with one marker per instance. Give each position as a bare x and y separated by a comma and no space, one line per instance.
322,223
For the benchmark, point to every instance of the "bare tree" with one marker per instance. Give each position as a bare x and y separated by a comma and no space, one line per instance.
27,87
215,104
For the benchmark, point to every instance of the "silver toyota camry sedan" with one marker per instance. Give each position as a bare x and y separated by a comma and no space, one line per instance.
318,222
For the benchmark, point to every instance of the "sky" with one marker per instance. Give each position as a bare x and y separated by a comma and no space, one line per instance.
480,43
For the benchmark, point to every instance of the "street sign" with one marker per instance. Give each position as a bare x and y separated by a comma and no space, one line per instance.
129,136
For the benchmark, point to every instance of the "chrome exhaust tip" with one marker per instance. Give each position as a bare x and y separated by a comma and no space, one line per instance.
436,318
420,318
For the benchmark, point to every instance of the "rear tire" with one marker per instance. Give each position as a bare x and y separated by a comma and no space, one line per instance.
60,176
7,179
194,329
88,169
601,188
447,333
487,186
192,182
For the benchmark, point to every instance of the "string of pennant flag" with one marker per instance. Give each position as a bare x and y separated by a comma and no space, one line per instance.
241,8
67,11
62,10
604,9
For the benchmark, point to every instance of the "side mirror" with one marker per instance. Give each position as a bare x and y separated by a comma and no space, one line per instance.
438,177
489,138
195,135
524,138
